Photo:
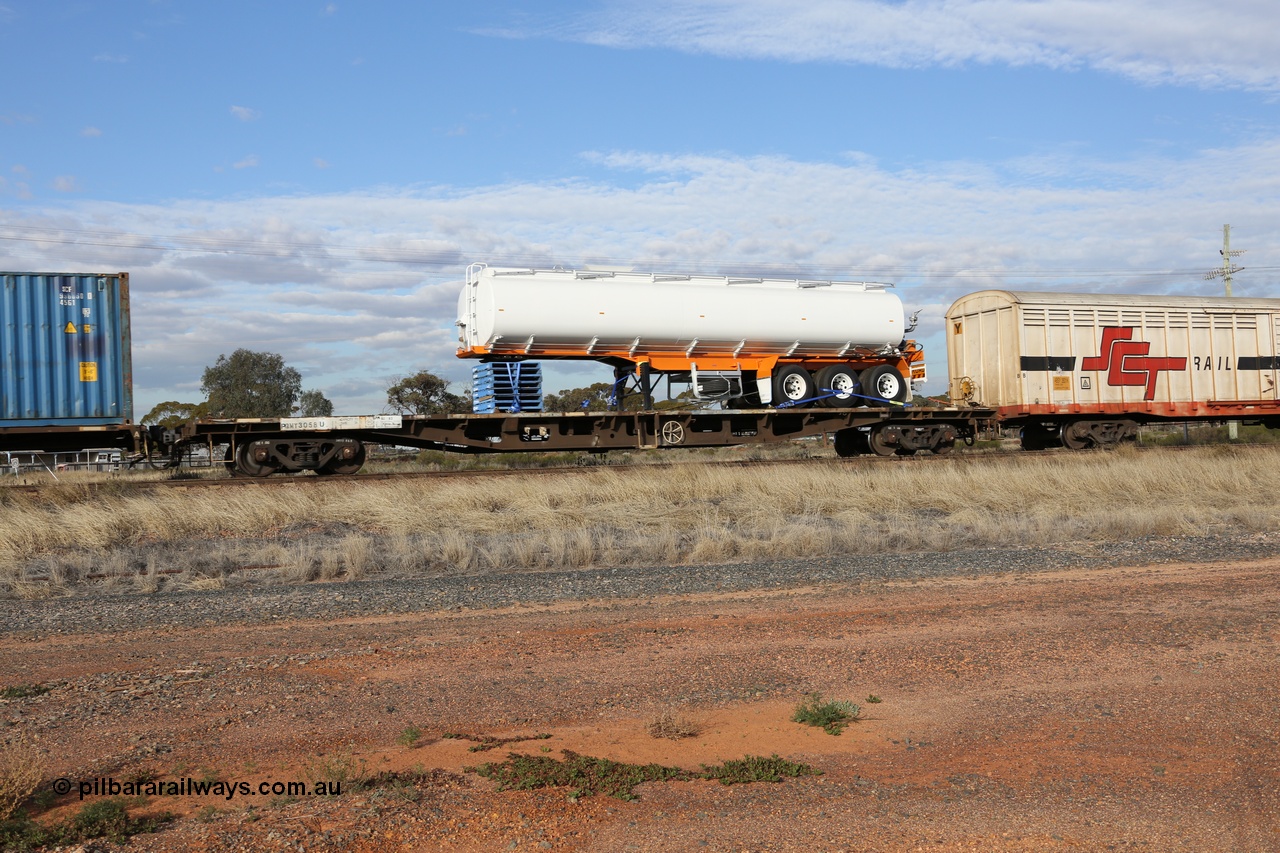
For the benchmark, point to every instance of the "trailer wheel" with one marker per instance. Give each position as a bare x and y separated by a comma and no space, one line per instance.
842,380
886,383
791,384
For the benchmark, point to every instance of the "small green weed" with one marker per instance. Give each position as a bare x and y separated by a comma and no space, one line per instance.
208,814
832,716
410,737
873,699
103,819
23,691
585,775
756,768
339,769
484,743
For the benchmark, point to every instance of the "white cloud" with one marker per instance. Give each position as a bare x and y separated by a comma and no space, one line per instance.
321,163
245,113
248,162
66,184
112,58
1208,43
91,132
355,288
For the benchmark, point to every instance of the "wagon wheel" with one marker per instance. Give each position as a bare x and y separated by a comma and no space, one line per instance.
160,461
851,442
344,466
878,443
1075,436
246,465
673,432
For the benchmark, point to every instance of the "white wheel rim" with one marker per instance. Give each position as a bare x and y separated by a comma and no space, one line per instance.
888,386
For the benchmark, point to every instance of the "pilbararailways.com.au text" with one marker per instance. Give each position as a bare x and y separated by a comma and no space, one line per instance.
108,787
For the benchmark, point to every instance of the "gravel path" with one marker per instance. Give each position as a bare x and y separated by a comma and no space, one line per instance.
250,603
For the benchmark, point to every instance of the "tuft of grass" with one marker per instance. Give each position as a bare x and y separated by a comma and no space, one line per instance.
586,775
673,727
21,770
873,699
410,737
23,691
831,716
338,769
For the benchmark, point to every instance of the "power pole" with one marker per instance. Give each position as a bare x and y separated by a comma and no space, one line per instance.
1228,266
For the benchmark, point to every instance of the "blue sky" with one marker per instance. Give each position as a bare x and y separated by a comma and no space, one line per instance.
312,178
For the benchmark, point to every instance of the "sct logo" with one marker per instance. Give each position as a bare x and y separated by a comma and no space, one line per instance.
1127,363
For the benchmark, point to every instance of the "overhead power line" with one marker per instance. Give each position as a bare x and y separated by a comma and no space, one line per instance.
263,248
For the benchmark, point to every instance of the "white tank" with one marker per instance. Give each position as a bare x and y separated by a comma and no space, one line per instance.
588,313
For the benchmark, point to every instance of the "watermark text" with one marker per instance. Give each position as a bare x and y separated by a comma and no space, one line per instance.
188,787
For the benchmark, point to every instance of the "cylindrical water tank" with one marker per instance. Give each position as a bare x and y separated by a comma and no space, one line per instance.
571,313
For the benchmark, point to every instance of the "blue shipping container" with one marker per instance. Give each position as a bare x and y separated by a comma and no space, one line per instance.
65,349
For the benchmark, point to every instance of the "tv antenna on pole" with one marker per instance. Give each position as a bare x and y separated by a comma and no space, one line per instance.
1228,265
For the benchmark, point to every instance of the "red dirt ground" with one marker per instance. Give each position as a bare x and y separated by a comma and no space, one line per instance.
1122,709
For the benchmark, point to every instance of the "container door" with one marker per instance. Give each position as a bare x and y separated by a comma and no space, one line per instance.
64,349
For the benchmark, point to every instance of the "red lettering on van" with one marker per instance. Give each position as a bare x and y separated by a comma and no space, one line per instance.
1127,363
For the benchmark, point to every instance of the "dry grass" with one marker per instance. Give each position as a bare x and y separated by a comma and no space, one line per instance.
21,769
673,726
57,540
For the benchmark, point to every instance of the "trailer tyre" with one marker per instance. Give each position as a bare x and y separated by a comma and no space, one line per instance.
842,381
791,384
885,383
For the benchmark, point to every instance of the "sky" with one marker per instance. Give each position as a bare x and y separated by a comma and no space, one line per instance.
313,178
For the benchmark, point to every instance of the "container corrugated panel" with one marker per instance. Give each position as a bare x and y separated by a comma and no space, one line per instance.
506,387
65,349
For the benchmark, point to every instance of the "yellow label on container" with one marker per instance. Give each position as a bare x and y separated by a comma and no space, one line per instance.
1062,383
88,371
70,329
